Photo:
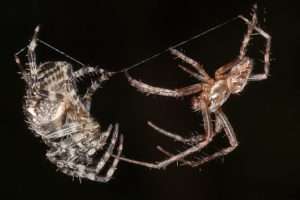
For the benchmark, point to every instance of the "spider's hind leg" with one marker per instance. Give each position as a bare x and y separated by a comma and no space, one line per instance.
232,141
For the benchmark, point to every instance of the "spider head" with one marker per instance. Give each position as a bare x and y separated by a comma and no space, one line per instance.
239,75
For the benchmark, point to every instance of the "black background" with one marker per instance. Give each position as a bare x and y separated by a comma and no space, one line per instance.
117,34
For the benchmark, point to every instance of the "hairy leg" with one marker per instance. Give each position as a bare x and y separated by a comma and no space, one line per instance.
231,137
262,76
176,137
148,89
203,76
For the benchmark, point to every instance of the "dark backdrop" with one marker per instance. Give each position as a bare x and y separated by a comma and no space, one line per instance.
116,34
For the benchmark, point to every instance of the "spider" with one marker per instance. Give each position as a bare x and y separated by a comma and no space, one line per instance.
61,118
208,97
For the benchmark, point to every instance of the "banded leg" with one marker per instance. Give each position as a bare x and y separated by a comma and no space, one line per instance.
82,171
148,89
31,54
162,164
109,150
92,70
202,76
87,98
98,142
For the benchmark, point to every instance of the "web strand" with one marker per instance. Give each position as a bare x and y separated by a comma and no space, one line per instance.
144,60
177,45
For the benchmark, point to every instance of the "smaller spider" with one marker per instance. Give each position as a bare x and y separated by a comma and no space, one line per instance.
208,98
57,114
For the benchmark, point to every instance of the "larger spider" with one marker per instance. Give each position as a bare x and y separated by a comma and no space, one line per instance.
208,97
61,118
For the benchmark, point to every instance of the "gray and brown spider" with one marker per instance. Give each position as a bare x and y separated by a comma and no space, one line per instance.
208,98
61,118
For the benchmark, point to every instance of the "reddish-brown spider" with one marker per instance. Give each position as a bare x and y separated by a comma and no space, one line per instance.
209,96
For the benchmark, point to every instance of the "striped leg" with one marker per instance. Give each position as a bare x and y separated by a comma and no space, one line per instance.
82,171
87,98
109,150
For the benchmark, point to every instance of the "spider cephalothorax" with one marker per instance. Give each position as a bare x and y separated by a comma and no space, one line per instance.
57,114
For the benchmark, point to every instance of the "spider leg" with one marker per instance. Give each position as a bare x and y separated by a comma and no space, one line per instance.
98,142
82,171
203,76
109,150
115,163
218,129
31,54
253,25
184,161
103,137
69,130
148,89
177,137
19,63
231,137
87,98
92,70
247,37
208,137
243,49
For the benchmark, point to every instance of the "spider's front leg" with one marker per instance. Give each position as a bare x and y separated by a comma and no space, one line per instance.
148,89
253,25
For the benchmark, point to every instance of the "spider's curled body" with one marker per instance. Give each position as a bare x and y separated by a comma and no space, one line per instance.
61,118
